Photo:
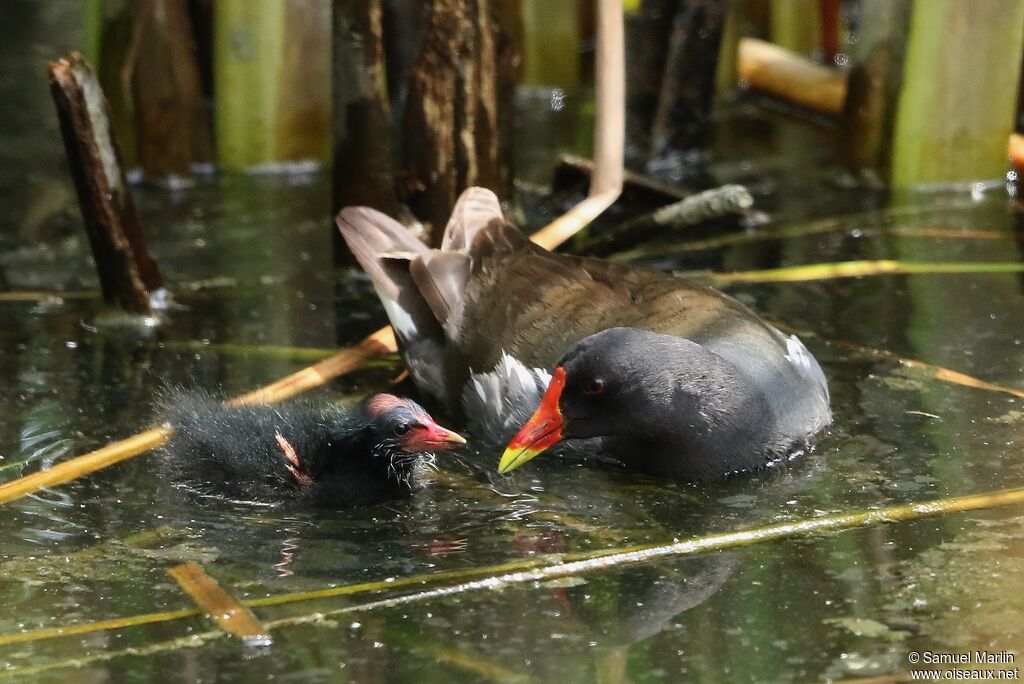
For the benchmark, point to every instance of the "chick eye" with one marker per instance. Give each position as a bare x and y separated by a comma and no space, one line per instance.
594,387
402,429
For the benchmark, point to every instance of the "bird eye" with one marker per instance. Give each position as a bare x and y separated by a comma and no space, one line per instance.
402,429
595,387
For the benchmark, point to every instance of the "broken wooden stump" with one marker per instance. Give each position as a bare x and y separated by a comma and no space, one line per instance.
127,272
450,137
717,203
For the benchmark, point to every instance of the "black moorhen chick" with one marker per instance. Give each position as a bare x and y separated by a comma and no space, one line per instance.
674,378
299,453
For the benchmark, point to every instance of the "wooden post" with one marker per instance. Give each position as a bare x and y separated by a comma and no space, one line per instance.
796,25
450,127
126,270
647,34
958,103
873,88
362,116
161,72
682,119
272,64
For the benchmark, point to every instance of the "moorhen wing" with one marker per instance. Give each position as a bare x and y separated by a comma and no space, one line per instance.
674,378
299,453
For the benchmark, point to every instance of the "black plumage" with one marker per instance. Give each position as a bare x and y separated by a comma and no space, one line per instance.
704,386
300,453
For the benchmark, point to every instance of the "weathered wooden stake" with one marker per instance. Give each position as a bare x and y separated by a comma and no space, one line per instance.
126,270
683,117
271,63
958,102
161,73
450,127
362,116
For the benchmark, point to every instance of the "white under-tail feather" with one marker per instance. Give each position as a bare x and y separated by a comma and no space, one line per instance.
500,401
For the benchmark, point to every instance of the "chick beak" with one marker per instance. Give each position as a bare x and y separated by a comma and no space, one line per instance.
430,435
543,430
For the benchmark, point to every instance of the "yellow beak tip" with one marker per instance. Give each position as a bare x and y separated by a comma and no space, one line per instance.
513,458
456,438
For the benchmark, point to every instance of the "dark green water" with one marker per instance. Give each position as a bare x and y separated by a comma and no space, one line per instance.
249,261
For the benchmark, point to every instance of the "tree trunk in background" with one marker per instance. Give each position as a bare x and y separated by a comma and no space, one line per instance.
647,34
450,127
148,66
725,73
162,74
873,87
796,25
403,36
926,106
672,62
551,47
683,116
362,119
959,98
303,129
271,69
509,67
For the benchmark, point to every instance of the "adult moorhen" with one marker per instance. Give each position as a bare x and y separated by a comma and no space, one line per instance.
674,378
299,453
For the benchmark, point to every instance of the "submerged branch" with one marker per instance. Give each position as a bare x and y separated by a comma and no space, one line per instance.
219,605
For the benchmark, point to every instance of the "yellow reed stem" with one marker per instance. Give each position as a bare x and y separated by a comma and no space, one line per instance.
83,465
930,370
855,269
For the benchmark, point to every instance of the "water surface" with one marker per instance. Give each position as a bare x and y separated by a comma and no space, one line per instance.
248,259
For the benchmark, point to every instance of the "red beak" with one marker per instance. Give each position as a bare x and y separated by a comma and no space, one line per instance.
429,436
543,430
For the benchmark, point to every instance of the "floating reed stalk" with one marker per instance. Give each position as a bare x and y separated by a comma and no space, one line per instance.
856,269
536,569
609,134
83,465
42,295
219,605
927,369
